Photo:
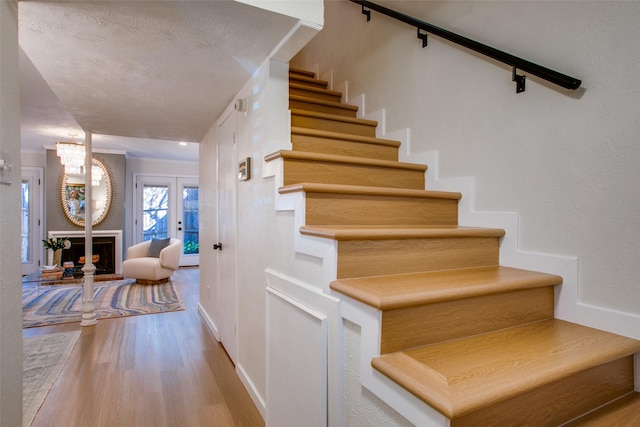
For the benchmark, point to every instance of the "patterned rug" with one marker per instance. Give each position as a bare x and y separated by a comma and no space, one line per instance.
43,359
52,305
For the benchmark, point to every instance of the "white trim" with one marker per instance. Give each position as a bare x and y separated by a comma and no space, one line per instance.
208,321
317,302
251,388
317,409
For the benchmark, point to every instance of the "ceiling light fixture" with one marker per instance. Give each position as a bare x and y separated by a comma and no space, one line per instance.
72,155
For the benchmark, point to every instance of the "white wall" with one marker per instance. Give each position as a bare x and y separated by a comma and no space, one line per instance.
34,159
10,264
265,236
567,162
304,10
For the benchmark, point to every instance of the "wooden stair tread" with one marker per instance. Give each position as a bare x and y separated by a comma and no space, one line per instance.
462,376
343,136
313,89
623,412
385,232
324,102
293,70
333,117
308,80
320,157
312,187
390,292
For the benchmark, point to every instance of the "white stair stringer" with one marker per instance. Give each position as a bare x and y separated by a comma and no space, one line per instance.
567,303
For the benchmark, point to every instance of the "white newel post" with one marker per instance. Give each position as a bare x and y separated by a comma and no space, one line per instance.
88,308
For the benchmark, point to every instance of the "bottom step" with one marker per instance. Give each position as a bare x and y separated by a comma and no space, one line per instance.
544,373
624,412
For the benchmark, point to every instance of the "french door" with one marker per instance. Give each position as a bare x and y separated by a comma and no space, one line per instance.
32,214
167,206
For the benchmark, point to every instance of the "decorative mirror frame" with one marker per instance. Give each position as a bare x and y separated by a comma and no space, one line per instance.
64,191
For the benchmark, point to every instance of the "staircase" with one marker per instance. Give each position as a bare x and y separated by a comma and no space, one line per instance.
475,340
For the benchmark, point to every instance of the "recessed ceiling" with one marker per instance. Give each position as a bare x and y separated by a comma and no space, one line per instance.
137,71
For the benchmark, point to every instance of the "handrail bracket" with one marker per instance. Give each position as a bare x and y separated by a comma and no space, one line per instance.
520,80
423,37
366,12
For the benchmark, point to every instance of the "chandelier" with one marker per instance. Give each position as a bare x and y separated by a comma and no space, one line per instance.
72,156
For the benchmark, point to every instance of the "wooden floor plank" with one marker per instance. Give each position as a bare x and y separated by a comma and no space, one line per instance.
152,370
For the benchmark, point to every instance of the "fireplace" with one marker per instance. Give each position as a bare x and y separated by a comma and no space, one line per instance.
107,245
104,254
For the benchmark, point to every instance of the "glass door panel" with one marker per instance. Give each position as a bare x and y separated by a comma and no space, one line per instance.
188,224
31,223
25,229
155,212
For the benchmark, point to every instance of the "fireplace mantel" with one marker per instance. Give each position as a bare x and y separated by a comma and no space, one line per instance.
117,234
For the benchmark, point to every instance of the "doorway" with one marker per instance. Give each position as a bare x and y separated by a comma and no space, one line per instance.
167,206
32,219
227,234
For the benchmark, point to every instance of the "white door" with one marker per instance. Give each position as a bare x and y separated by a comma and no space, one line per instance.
167,206
32,219
227,249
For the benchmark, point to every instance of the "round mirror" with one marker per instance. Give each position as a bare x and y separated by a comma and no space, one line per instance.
72,194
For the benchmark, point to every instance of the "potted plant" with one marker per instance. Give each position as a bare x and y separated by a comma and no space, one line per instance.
57,245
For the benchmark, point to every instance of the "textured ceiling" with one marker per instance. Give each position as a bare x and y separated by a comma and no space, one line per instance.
137,71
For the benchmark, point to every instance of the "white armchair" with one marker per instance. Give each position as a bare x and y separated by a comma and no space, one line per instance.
150,269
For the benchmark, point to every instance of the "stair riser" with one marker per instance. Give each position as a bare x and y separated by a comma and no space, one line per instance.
307,81
343,147
320,108
297,171
309,92
333,125
558,402
621,412
349,209
374,257
416,326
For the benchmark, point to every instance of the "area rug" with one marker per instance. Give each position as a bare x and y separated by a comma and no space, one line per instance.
63,304
44,357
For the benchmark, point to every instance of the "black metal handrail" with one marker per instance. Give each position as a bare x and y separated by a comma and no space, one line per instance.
552,76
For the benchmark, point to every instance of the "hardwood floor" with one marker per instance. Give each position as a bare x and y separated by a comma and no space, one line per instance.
152,370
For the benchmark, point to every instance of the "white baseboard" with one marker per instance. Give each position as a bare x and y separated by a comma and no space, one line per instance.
244,378
258,400
209,322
